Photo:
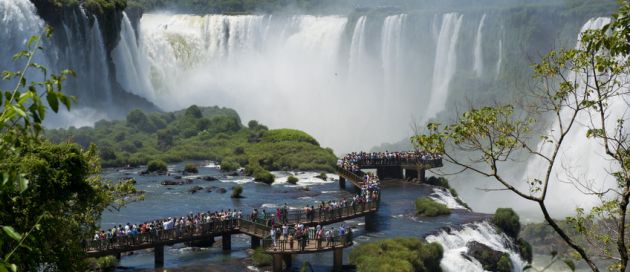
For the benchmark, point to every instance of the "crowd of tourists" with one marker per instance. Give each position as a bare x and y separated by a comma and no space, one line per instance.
352,160
300,236
224,218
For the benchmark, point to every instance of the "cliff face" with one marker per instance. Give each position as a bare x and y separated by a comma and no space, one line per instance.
86,33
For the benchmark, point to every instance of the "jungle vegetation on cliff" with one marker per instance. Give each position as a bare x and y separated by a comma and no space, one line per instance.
199,133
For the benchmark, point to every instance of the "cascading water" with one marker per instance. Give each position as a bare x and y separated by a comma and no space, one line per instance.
443,196
18,21
478,52
445,63
357,50
455,242
278,69
131,64
391,53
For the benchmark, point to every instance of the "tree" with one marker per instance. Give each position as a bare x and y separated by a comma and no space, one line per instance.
575,86
52,196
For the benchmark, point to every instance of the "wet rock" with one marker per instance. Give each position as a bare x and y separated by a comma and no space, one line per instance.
195,189
209,189
221,190
177,182
490,259
209,178
233,174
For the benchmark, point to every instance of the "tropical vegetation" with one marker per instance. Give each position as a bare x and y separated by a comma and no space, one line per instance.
200,133
52,196
398,254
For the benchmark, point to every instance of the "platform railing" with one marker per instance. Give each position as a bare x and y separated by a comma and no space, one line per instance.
284,245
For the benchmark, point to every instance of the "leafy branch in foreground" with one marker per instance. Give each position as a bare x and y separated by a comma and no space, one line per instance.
582,87
51,193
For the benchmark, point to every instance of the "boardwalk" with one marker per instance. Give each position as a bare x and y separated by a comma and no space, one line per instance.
259,229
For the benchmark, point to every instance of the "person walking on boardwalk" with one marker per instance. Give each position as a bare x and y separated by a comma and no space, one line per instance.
273,236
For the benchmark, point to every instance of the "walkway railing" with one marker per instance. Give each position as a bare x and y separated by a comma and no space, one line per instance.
219,227
316,216
153,237
426,162
305,245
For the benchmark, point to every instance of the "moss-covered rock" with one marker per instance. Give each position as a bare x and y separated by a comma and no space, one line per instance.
507,221
490,259
398,254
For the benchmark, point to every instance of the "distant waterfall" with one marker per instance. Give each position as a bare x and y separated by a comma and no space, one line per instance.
357,49
499,60
478,52
391,51
445,63
131,64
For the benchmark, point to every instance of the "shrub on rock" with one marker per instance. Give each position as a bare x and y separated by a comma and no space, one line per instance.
157,166
292,180
190,168
237,191
507,221
428,207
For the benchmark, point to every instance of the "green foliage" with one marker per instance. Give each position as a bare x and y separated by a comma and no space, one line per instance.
508,221
237,191
525,249
428,207
263,176
322,176
229,164
198,133
260,258
157,166
292,180
107,263
504,264
190,168
398,254
438,181
288,135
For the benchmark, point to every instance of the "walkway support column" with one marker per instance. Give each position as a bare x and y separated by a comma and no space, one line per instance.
288,260
342,182
421,175
255,243
370,221
158,253
338,259
227,242
411,174
277,263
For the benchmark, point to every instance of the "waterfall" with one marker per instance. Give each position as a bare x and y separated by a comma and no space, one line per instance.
18,22
98,60
478,57
391,47
445,63
579,157
443,196
131,64
454,244
499,59
357,49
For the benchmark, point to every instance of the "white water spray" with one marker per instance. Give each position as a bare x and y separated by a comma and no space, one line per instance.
454,245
